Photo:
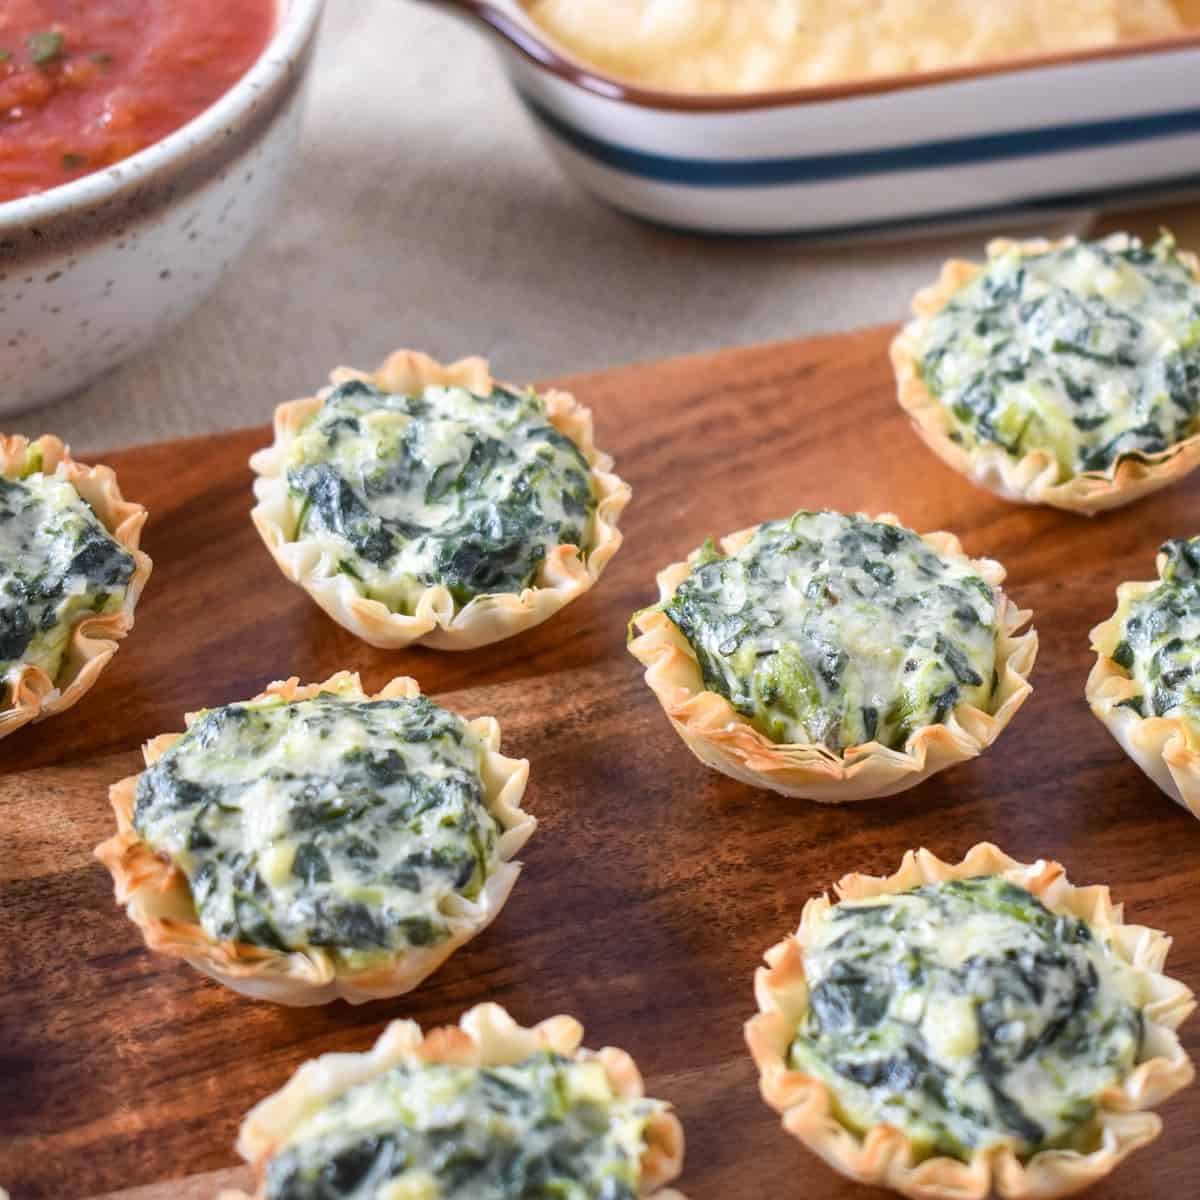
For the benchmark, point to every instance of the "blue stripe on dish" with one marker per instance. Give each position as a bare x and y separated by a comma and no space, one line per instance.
1055,202
820,168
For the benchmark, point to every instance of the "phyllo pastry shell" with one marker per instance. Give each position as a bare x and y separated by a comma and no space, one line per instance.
1021,1035
1064,373
380,1093
72,574
429,503
1147,673
317,842
798,708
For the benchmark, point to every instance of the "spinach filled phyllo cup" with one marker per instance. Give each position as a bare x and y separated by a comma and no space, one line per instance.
70,576
1145,684
834,657
1062,373
316,842
429,503
969,1030
482,1110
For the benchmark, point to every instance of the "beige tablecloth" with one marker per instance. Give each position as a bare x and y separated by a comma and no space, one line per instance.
423,212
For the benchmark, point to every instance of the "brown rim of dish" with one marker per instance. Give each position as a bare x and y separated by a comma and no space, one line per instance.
544,53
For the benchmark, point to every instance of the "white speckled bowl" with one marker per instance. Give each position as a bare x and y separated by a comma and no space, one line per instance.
93,271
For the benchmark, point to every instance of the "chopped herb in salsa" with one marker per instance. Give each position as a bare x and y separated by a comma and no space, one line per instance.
95,81
44,47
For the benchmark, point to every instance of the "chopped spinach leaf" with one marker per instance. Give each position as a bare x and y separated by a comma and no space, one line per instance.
58,564
965,1013
543,1128
1087,351
325,822
445,487
801,630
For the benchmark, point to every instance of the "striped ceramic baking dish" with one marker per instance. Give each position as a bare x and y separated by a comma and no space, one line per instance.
1025,138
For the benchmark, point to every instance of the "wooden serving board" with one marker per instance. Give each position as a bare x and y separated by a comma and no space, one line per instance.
653,885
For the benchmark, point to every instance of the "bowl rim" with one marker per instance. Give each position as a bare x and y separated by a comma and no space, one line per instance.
512,24
296,22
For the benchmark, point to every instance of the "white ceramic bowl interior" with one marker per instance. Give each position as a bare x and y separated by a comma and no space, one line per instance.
95,270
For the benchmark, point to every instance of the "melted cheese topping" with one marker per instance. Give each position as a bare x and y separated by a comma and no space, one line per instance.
1089,352
58,564
546,1127
1159,640
967,1014
405,491
837,630
329,822
761,45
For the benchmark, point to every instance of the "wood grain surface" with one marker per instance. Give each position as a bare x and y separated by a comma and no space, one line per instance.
653,885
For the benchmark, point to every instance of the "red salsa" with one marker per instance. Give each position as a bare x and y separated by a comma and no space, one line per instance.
86,83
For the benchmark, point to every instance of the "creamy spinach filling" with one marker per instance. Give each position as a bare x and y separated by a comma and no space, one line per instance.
441,487
58,564
837,630
967,1014
1159,640
547,1128
332,822
1090,352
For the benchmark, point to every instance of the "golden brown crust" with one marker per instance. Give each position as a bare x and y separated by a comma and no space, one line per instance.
94,637
564,575
485,1036
1033,478
157,898
1164,747
884,1156
723,739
